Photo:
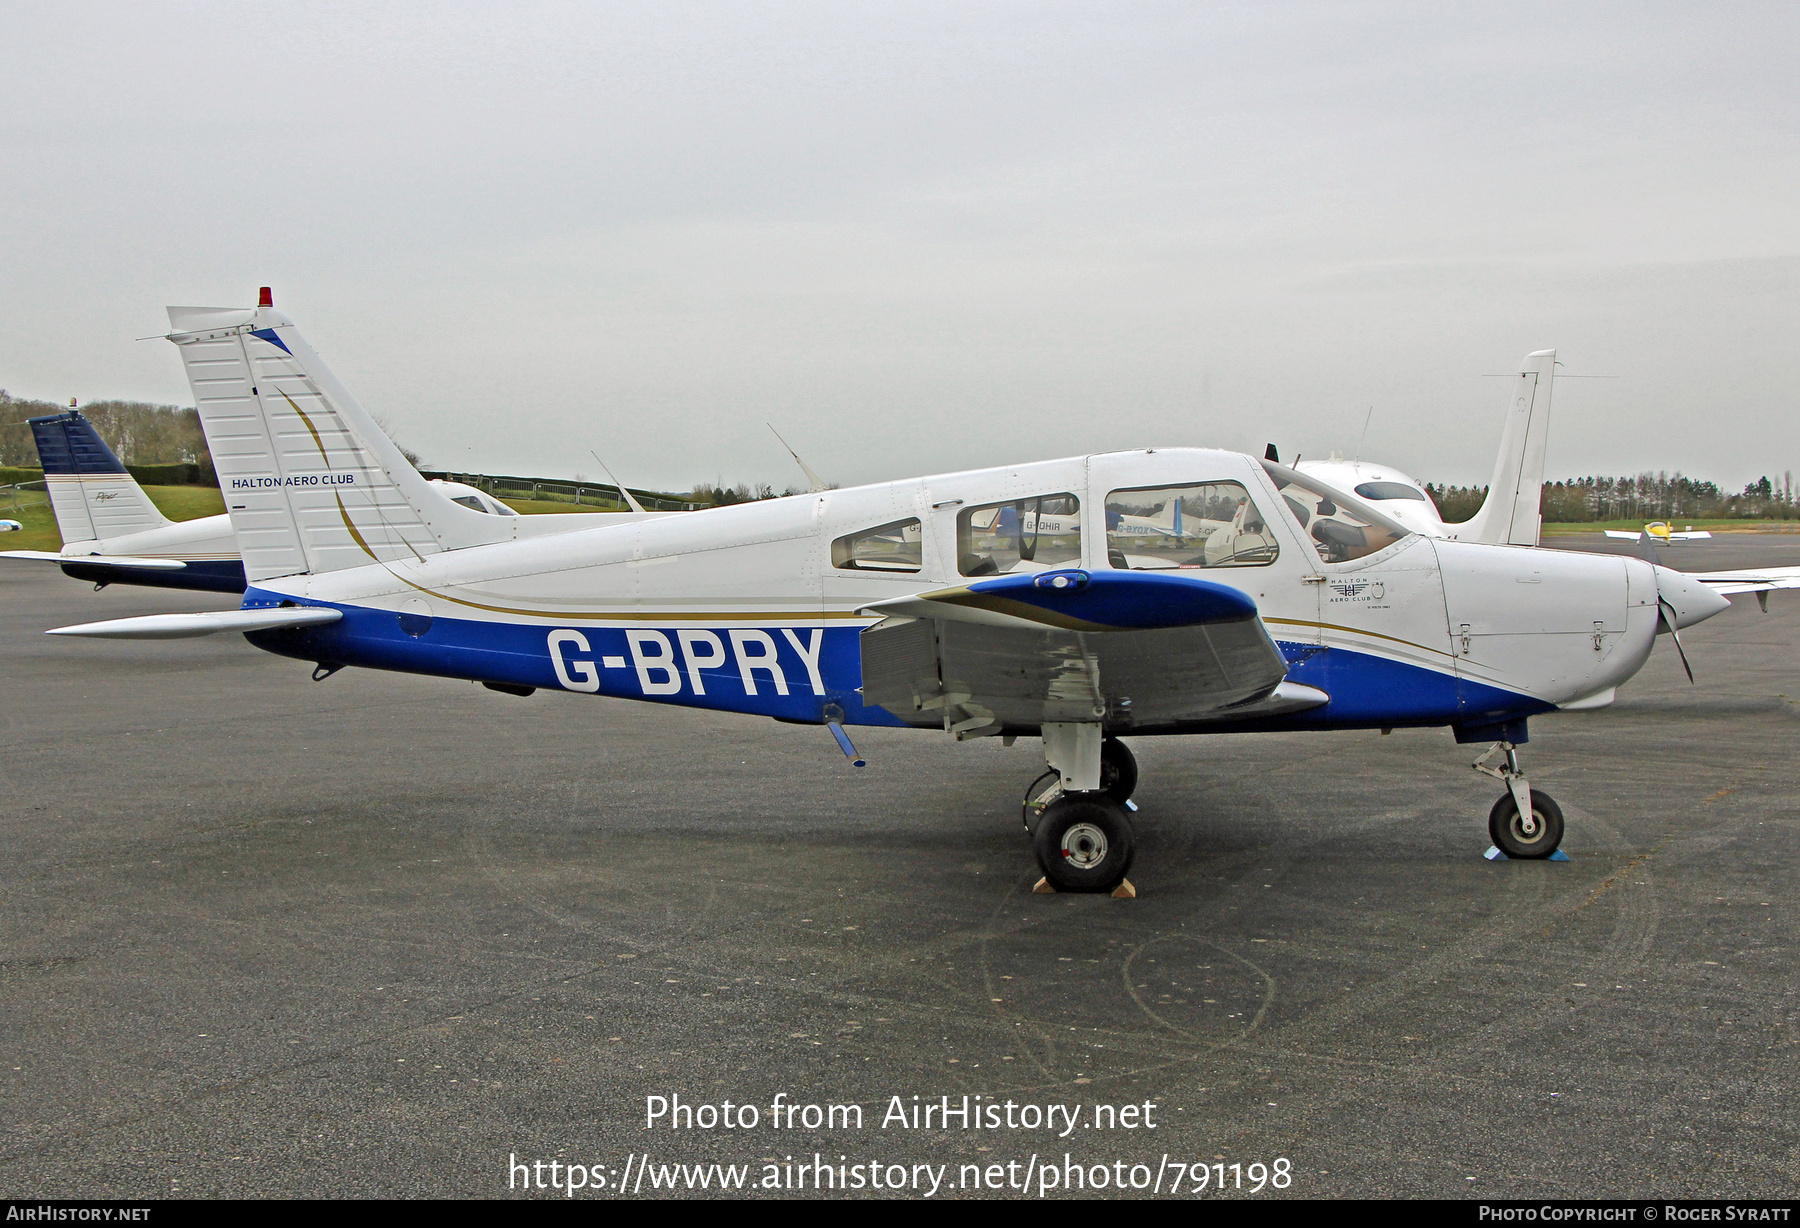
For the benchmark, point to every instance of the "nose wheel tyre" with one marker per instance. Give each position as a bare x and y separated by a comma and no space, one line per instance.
1507,827
1118,770
1084,842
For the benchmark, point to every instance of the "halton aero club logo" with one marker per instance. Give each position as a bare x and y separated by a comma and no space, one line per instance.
1359,590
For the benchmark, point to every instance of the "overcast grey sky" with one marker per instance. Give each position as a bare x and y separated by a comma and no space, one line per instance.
922,237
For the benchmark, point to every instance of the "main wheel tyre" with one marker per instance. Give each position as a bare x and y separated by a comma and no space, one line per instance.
1118,770
1508,830
1084,842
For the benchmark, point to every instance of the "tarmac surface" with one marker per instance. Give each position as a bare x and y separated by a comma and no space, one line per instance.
380,934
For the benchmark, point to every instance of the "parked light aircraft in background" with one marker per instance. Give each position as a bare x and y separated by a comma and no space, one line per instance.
1509,515
764,608
10,526
1662,533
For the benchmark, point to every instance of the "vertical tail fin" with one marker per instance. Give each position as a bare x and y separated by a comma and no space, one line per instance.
311,482
1509,515
94,498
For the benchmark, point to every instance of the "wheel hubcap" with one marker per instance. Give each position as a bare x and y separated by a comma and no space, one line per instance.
1529,831
1084,846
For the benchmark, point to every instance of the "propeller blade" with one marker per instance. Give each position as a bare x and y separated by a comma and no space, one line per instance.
1666,612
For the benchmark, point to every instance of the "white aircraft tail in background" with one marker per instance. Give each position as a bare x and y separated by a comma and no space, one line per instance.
93,496
1510,513
112,533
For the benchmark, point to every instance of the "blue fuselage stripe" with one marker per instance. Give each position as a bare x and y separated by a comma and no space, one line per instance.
746,669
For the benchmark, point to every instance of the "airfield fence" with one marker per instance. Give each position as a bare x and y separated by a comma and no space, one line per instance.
588,494
12,496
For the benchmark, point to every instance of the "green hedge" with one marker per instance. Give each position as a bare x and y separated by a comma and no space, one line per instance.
189,474
175,475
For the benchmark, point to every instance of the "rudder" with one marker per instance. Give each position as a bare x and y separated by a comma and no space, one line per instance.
311,482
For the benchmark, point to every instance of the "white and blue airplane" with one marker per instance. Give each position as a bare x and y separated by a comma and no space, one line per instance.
112,533
765,608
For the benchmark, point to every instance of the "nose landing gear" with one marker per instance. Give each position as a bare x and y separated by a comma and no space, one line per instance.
1526,823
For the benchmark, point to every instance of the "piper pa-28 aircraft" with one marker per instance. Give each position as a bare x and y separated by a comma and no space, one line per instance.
767,608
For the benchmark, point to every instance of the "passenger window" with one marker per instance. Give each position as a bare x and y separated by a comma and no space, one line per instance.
890,547
471,501
1035,534
1203,524
1340,533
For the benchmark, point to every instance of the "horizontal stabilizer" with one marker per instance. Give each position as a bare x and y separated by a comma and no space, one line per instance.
1630,537
186,626
1076,600
95,560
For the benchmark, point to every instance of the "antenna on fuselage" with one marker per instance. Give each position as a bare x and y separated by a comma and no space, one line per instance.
818,483
629,501
1365,435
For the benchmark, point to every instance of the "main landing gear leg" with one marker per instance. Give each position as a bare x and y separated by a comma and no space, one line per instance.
1525,824
1079,829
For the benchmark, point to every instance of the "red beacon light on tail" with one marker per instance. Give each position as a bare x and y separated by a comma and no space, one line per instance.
265,297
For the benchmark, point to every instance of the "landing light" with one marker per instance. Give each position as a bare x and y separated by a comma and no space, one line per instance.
1062,579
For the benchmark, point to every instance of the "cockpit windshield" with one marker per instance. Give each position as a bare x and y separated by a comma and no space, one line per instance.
1342,527
1390,490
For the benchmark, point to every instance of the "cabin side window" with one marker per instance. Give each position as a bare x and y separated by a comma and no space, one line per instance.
1033,534
891,547
1201,524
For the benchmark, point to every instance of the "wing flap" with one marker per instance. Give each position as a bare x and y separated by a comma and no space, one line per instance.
1149,651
